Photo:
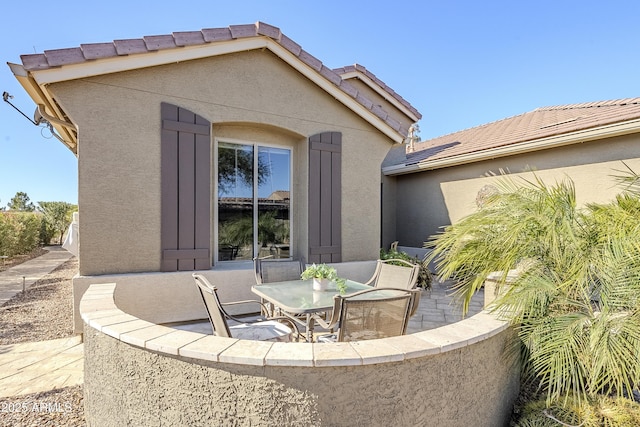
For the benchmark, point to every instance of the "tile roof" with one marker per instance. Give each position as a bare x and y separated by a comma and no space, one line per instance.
537,124
148,44
362,69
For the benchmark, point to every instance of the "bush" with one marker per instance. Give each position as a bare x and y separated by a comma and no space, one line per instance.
19,232
603,411
424,275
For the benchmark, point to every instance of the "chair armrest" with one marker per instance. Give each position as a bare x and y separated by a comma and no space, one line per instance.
263,307
331,324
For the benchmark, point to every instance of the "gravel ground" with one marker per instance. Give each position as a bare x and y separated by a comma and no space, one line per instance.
43,312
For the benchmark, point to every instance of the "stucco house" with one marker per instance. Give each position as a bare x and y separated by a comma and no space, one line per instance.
201,150
434,183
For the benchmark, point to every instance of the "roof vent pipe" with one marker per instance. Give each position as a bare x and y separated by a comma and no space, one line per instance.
412,138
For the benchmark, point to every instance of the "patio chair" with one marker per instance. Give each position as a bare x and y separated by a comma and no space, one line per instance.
388,275
255,328
359,317
269,270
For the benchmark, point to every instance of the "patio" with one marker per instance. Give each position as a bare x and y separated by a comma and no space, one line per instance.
163,375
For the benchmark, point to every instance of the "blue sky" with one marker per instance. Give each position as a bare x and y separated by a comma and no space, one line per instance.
460,63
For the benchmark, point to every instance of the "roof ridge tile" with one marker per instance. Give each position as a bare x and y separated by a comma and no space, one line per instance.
130,46
161,42
57,57
243,30
98,50
290,45
216,34
265,29
594,104
188,38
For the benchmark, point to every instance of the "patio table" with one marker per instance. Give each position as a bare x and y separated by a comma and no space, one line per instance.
297,297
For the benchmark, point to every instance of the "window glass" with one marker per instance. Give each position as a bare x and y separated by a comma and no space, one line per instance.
253,208
273,202
235,202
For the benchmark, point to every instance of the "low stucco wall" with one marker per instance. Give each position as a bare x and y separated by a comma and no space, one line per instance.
138,373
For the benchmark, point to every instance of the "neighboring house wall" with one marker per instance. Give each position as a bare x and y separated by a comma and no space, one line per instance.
426,201
250,96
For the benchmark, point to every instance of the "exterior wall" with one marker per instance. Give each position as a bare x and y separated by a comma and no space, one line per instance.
389,211
118,116
426,201
137,373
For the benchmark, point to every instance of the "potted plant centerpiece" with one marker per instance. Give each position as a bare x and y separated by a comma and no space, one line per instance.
323,275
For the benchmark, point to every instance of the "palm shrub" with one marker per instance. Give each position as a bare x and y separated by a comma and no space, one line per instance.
574,289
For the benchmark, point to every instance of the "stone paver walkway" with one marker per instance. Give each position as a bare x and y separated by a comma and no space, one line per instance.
437,308
37,366
26,274
40,366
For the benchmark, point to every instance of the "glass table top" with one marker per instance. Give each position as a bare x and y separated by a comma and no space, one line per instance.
298,296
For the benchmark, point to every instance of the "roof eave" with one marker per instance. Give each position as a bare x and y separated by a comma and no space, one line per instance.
585,135
41,96
41,78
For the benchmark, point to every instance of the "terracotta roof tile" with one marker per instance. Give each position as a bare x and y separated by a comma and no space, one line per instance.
96,51
330,75
216,34
241,31
364,101
268,30
290,45
349,89
130,46
379,111
188,38
35,61
310,60
64,56
537,124
160,42
361,69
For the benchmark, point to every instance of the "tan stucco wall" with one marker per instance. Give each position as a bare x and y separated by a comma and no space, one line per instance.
118,117
137,373
426,201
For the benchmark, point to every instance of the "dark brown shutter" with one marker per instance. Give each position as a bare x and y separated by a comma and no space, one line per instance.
325,206
186,157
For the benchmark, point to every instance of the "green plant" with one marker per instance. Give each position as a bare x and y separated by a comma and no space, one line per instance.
424,275
575,300
58,216
319,271
19,232
603,411
324,271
